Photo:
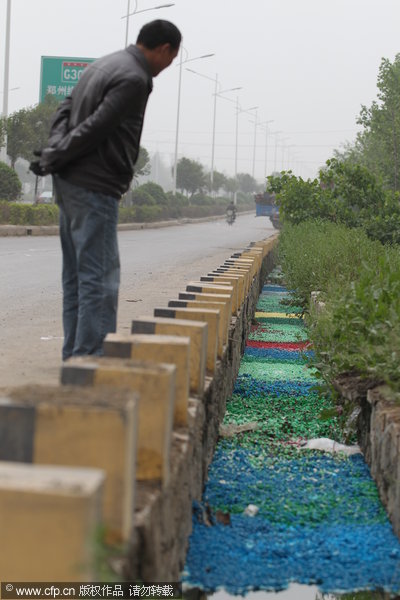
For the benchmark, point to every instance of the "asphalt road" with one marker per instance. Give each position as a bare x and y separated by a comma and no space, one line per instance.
156,265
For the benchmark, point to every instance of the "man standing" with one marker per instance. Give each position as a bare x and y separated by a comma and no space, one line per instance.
91,151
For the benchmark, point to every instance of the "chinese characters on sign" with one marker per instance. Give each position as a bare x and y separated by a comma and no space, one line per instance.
59,75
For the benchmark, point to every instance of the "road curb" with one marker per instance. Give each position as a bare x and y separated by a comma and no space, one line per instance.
35,230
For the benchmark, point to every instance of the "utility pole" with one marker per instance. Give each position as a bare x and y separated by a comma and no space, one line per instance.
3,152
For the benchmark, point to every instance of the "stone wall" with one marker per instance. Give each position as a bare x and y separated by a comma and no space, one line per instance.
384,450
378,429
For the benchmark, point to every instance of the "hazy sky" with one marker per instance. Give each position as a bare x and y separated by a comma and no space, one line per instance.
308,65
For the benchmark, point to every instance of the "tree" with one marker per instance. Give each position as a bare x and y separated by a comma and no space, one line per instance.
142,165
10,185
190,176
378,146
352,191
28,129
247,183
231,185
298,200
39,122
17,135
2,130
219,180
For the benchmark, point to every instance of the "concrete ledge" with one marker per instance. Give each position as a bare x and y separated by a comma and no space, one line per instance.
22,230
163,509
164,517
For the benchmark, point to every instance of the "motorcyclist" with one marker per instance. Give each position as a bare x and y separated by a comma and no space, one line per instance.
231,208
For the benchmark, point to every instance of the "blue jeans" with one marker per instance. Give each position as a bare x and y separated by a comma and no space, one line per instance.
91,267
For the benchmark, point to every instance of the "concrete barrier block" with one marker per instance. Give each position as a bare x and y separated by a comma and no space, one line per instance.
158,349
48,520
230,270
259,246
219,306
226,279
256,254
82,428
209,316
246,260
225,299
267,245
197,333
155,384
200,287
232,282
241,264
254,251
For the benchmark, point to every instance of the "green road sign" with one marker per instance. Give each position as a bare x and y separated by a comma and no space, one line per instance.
59,75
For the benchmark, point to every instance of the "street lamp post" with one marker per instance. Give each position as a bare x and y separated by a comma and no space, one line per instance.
236,142
216,93
135,12
254,144
288,154
213,133
283,140
3,150
179,107
239,110
266,123
275,133
256,124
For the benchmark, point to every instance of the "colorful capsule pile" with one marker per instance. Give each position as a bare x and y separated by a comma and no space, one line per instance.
273,512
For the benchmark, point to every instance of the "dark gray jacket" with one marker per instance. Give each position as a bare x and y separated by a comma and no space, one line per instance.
95,135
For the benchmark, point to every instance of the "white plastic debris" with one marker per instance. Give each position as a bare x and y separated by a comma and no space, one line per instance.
327,445
251,510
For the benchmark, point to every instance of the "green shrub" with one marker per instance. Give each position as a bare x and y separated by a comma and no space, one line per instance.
244,198
127,214
358,332
385,224
319,255
10,185
197,212
155,191
45,215
223,200
147,213
299,200
142,198
346,193
201,199
177,200
14,213
172,212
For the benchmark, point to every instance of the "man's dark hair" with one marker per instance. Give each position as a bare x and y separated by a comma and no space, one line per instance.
159,32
